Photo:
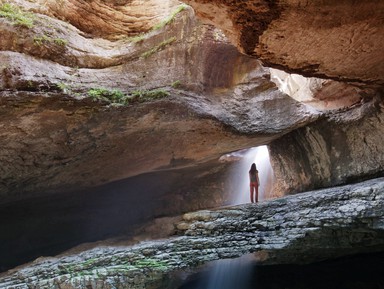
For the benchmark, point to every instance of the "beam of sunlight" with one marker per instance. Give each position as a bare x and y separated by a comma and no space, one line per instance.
228,274
238,177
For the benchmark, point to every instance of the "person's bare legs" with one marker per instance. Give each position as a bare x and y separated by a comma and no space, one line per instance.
257,193
251,189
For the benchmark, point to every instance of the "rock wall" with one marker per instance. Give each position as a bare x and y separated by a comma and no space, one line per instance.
56,139
106,19
340,41
343,148
322,94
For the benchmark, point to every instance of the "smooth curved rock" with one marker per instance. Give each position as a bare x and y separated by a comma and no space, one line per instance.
57,143
340,41
107,19
296,229
319,93
55,139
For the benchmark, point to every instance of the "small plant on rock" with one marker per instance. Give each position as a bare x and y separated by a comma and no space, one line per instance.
147,95
170,18
40,40
111,96
60,41
176,84
115,96
16,16
158,47
63,87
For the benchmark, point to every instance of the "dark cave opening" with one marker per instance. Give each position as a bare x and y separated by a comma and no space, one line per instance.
51,224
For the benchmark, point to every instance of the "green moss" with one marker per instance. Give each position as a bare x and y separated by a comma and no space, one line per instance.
137,38
176,84
16,16
60,41
151,263
170,18
147,95
40,40
89,262
111,96
115,96
158,47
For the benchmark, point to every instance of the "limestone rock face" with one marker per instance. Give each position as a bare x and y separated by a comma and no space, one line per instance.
216,85
322,94
337,40
108,19
294,229
55,138
340,149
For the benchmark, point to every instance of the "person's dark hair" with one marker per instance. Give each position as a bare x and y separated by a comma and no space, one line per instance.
253,168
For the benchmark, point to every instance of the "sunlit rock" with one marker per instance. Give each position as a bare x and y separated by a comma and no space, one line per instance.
319,93
340,41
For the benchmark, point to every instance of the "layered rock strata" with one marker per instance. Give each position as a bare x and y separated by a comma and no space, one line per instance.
106,19
216,84
56,143
345,147
296,229
340,41
56,139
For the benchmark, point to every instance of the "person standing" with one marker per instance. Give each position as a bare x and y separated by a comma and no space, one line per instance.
254,183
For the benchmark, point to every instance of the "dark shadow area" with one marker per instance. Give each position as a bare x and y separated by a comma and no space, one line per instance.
49,225
364,271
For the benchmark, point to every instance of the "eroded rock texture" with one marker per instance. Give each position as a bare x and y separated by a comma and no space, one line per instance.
55,138
338,40
295,229
343,148
107,19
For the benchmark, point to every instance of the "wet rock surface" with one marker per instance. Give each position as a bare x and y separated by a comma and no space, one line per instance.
301,229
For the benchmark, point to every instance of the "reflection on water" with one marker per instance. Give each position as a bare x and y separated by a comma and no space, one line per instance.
238,179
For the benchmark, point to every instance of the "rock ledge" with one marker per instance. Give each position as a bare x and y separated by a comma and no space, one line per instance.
296,229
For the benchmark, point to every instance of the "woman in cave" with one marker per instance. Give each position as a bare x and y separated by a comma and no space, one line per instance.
254,183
